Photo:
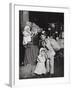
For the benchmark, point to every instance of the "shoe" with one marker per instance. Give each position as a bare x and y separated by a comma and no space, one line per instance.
52,75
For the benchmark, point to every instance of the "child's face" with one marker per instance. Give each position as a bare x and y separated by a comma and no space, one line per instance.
42,53
26,33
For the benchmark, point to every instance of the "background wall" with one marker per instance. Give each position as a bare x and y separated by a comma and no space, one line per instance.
4,41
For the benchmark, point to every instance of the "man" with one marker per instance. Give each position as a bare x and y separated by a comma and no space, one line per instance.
50,53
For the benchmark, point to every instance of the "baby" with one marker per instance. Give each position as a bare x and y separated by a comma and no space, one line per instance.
27,35
40,67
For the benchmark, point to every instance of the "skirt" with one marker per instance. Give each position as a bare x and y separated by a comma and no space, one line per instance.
40,68
31,53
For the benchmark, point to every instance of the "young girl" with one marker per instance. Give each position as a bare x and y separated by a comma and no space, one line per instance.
40,68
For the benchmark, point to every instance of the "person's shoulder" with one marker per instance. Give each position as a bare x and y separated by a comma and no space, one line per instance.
47,39
52,39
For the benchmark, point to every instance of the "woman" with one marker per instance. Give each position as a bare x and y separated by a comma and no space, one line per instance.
31,53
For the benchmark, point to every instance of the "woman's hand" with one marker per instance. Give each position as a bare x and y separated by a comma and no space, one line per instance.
43,44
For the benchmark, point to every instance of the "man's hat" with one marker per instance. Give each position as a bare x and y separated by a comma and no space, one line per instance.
43,33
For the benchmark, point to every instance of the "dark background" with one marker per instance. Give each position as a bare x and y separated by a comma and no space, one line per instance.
43,19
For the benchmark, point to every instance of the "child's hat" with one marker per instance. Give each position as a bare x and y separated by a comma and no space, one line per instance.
43,33
27,28
43,49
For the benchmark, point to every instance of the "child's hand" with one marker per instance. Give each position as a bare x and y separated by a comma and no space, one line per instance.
43,44
38,59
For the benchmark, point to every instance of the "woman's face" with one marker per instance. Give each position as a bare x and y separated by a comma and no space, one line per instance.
43,37
34,31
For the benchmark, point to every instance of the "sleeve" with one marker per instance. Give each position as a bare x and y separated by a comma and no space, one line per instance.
55,45
51,51
48,45
39,58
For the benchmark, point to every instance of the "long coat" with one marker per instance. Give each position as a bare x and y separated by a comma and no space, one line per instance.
31,52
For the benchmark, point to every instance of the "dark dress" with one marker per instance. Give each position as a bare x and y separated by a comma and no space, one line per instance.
31,51
30,58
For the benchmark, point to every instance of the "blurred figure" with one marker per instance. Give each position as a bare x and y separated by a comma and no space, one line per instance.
54,43
60,41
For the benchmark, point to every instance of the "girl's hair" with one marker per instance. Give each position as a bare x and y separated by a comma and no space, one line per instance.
43,49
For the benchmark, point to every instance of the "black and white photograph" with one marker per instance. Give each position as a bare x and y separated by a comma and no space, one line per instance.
41,44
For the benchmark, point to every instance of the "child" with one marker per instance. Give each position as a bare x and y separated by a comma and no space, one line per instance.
27,35
40,68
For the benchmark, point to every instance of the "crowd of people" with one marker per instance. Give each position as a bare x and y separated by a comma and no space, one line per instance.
40,50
